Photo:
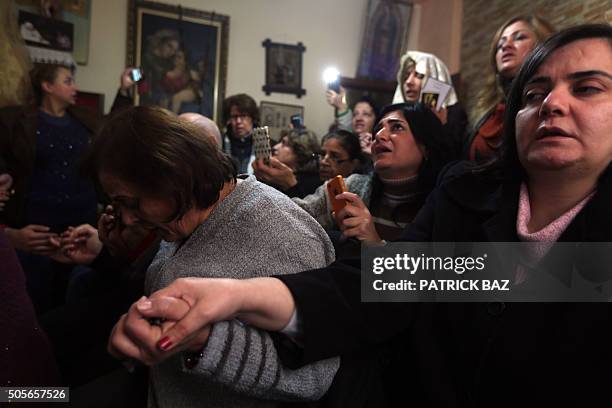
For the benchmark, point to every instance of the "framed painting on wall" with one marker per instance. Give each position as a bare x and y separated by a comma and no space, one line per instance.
284,68
384,39
182,53
277,116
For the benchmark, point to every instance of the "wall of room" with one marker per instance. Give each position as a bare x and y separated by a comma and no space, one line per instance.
482,18
330,31
439,31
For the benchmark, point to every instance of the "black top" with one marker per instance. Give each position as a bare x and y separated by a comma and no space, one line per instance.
478,354
307,183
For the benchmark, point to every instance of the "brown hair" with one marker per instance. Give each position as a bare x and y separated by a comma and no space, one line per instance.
160,155
305,146
539,57
245,104
408,65
492,92
45,73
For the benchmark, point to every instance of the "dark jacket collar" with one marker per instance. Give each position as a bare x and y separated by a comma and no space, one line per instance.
486,193
483,191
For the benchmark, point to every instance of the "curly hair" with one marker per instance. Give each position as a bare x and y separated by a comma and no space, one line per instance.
305,146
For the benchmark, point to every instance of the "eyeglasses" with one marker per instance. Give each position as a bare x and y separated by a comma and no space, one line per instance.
331,159
133,205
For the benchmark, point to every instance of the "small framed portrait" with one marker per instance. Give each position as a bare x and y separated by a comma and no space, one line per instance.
284,68
182,56
277,116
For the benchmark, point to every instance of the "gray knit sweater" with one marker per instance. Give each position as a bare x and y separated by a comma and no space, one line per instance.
318,205
255,231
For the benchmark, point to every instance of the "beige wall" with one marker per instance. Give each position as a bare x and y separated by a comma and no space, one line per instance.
330,30
439,30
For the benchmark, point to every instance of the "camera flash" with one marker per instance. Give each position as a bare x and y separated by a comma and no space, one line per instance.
330,75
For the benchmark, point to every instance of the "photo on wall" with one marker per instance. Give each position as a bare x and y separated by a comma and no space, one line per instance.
385,38
182,54
277,116
76,13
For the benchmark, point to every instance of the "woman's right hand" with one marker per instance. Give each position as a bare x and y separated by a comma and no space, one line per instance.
337,99
117,237
276,173
81,245
356,221
365,141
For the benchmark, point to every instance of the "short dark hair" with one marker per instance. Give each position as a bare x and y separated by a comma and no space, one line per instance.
428,132
45,73
538,56
348,141
367,99
245,104
159,155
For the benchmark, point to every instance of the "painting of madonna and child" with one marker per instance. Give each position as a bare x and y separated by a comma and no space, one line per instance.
181,59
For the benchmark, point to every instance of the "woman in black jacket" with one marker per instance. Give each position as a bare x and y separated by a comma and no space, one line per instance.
555,184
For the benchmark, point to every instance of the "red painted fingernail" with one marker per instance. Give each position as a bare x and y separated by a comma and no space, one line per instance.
164,344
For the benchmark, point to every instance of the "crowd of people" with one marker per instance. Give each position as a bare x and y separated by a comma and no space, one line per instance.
154,254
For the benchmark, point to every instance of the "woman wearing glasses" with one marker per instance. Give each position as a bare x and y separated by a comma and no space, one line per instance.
341,154
163,173
293,167
408,151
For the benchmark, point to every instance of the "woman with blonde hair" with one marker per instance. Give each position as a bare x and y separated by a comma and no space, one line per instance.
511,44
415,68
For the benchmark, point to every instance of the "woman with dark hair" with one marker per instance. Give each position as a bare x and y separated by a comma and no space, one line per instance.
554,184
359,119
40,146
166,174
510,46
408,151
341,154
296,153
240,115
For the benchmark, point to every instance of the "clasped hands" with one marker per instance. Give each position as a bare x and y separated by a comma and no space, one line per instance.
83,243
174,319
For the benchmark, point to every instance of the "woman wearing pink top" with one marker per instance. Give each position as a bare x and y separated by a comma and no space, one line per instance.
553,184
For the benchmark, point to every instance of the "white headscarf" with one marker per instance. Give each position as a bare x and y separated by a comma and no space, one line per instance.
430,66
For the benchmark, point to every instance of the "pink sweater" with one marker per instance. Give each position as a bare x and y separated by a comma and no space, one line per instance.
546,236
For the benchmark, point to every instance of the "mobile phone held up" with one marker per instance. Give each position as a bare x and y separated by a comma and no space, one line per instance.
297,121
136,74
336,186
331,76
261,144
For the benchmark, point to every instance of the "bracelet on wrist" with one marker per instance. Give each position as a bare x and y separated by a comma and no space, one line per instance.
343,113
192,358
